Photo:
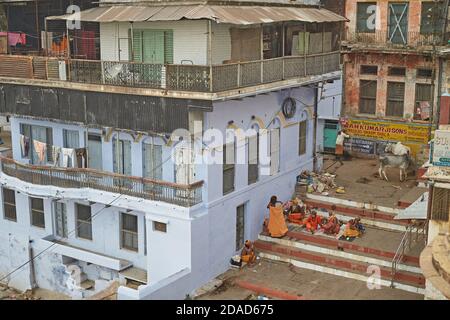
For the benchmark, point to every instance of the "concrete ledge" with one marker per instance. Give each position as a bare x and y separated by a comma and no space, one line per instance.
431,274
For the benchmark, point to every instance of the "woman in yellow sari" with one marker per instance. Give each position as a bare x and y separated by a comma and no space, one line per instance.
351,229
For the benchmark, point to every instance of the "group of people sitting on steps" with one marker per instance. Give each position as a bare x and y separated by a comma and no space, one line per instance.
297,212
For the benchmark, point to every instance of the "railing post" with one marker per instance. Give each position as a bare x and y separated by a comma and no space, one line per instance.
262,71
210,78
102,66
283,66
239,75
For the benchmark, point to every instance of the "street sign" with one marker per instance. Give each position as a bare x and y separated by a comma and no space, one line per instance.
441,148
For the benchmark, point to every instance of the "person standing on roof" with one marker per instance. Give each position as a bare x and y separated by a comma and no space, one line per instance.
342,135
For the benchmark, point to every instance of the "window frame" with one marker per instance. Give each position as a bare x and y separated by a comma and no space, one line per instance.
240,229
364,70
79,222
134,234
394,100
226,168
302,140
158,224
253,178
444,202
365,84
34,211
10,204
360,15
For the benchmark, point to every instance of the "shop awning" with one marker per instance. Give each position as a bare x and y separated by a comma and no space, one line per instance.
240,15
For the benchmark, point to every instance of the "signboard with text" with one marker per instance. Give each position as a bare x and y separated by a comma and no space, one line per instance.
441,148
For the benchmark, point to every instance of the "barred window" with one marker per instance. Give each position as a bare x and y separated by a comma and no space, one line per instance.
302,137
159,226
440,208
129,232
228,168
84,221
395,99
37,212
367,97
365,17
9,204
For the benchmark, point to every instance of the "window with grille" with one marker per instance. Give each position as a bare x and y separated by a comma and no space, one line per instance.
129,232
373,70
366,15
274,151
397,71
302,137
367,97
253,158
430,17
84,221
9,204
159,226
423,99
240,226
228,168
395,99
440,208
425,73
37,212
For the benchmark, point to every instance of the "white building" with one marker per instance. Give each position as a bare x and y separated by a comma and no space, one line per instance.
161,228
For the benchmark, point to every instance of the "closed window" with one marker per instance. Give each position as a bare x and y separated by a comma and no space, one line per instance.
302,137
367,96
60,219
253,158
228,168
159,226
366,17
240,227
152,161
398,22
152,46
395,99
83,221
274,151
129,232
397,71
423,101
425,73
71,139
95,158
440,204
37,212
122,157
9,204
373,70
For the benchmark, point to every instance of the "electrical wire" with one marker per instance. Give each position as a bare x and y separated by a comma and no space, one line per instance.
55,244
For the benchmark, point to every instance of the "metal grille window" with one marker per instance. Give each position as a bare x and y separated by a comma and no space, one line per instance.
425,73
275,151
398,22
395,99
228,168
430,17
37,212
129,232
396,71
9,204
253,159
240,226
159,226
84,221
369,70
423,94
440,208
302,137
366,14
367,97
60,219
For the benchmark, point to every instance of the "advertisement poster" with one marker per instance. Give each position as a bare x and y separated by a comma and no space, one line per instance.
441,149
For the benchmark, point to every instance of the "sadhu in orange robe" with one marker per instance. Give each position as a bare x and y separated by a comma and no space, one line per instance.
277,225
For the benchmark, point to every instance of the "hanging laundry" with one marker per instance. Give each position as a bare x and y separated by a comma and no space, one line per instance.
24,145
69,154
46,39
15,38
81,157
56,155
40,149
59,46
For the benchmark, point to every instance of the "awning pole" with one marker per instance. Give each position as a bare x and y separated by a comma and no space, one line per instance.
132,40
46,37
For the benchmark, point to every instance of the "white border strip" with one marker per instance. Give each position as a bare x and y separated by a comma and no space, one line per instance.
340,273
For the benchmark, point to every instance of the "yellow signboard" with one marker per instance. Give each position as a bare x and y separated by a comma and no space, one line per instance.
387,131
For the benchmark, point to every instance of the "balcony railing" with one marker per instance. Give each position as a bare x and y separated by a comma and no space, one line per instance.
182,195
195,78
410,39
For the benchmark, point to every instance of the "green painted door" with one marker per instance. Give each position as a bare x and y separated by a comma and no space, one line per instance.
329,136
153,46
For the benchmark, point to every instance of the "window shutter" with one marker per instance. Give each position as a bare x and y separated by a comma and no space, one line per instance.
168,46
441,204
137,46
274,151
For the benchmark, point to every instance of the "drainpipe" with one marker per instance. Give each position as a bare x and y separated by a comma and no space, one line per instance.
32,270
316,102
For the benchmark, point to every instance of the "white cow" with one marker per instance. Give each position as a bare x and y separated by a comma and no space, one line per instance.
398,149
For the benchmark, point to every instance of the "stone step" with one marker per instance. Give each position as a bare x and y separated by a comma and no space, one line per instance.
405,280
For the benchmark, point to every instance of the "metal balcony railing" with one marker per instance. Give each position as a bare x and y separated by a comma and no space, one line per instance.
194,78
384,38
182,195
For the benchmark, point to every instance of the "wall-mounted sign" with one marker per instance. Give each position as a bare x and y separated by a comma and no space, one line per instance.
360,146
441,148
289,107
387,131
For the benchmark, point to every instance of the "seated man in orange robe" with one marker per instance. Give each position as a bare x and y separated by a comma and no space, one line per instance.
332,226
313,222
248,253
277,225
297,213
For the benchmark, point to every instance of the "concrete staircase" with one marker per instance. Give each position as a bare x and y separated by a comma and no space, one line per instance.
373,252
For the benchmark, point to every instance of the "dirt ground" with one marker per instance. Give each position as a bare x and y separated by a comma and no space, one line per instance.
360,179
310,285
36,294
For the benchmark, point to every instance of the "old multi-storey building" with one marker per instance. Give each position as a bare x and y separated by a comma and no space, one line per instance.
395,71
99,187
